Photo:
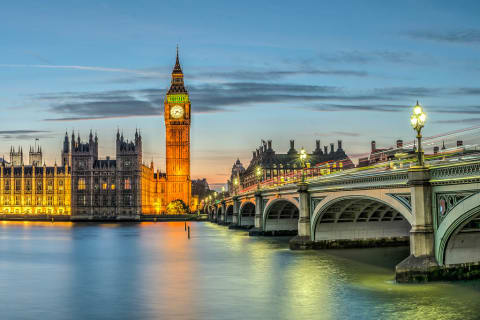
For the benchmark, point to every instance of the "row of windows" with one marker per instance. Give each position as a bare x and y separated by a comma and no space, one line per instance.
105,201
28,185
82,185
33,201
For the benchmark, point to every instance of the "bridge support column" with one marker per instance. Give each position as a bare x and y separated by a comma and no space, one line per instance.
258,228
303,240
236,211
223,215
421,262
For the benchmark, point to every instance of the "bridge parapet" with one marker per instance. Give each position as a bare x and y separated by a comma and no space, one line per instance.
463,172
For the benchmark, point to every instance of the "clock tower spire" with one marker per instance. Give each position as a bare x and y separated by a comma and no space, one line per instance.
177,123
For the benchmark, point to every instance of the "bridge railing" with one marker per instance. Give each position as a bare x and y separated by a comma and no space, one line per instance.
449,165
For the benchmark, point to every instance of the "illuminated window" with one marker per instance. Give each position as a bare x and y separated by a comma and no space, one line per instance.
60,185
28,185
17,200
61,202
104,186
39,201
81,183
7,201
50,200
113,186
50,185
127,184
39,186
28,200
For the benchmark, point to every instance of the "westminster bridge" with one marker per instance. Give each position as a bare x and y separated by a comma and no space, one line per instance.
434,208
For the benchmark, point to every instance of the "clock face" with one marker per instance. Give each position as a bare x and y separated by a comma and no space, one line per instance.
176,112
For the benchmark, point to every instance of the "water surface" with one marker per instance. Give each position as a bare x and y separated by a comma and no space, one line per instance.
153,271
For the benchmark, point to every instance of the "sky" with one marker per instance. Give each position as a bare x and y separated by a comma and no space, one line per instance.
279,70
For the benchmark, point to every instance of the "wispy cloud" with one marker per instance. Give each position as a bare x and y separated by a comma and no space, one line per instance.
452,36
366,57
85,68
24,134
231,96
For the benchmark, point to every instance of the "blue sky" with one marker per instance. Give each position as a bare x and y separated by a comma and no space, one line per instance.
255,70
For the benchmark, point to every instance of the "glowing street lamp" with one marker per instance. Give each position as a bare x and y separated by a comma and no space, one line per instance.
258,172
417,120
303,157
235,185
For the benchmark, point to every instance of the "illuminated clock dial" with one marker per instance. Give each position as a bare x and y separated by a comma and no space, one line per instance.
176,112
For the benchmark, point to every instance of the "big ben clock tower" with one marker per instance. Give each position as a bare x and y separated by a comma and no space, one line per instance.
177,124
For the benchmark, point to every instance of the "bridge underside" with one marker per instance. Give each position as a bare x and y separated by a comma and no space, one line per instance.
247,215
282,218
464,245
361,222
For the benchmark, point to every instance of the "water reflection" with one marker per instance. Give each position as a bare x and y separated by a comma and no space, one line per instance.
153,271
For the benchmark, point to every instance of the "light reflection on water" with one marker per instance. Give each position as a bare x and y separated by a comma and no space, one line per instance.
152,271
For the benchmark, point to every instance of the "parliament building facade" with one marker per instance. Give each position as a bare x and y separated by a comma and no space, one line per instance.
86,187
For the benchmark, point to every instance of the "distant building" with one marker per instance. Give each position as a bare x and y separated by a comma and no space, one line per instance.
274,164
233,184
378,155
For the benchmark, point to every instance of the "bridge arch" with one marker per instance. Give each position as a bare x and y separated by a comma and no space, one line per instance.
457,239
247,214
359,216
281,214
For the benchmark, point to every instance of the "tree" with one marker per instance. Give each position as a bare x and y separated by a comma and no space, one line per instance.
177,207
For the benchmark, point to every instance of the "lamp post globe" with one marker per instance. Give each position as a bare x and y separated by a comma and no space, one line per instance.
258,173
417,120
303,157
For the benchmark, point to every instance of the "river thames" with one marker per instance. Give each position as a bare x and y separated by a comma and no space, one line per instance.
153,271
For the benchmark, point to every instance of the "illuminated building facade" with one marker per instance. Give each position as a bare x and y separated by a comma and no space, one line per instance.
34,188
88,188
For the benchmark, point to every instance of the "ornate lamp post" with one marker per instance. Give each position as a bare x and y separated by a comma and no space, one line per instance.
235,186
258,173
303,157
417,120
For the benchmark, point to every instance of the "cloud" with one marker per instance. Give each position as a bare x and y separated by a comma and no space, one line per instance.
470,36
86,68
346,134
25,134
277,74
460,121
358,107
230,96
366,57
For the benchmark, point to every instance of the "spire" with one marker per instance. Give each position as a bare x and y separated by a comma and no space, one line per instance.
177,68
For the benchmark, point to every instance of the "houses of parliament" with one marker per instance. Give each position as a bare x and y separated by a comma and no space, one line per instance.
86,187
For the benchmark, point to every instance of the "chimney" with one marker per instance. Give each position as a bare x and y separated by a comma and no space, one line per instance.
292,144
399,144
435,150
317,145
269,145
339,144
325,149
254,154
373,146
459,143
332,146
